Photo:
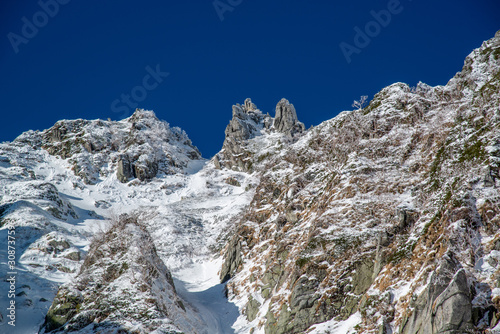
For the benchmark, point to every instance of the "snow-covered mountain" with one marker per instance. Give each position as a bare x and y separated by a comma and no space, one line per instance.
381,220
62,187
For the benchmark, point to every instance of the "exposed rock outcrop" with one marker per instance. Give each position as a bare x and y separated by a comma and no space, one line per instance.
143,170
244,124
124,170
249,122
140,146
232,261
122,286
146,170
286,120
445,306
360,214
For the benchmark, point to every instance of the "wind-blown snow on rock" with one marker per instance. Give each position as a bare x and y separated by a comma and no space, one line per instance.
140,146
122,286
56,211
381,220
353,220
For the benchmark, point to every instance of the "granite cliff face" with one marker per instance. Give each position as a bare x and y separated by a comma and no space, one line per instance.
249,122
286,120
387,216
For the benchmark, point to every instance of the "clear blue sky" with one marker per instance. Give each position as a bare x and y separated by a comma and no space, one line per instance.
84,57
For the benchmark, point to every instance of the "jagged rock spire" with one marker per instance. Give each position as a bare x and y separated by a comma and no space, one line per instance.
246,123
249,106
286,120
249,122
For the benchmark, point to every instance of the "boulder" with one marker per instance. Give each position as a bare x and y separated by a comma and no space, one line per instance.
445,306
249,122
124,170
233,260
146,170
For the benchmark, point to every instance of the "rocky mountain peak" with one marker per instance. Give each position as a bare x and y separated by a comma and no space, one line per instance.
249,122
285,119
142,114
246,123
140,146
